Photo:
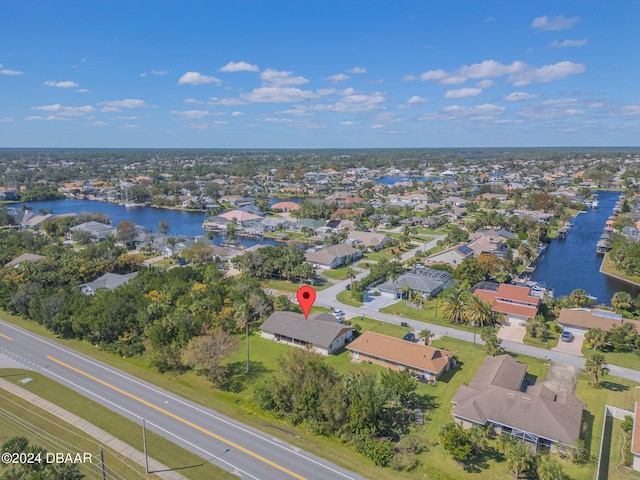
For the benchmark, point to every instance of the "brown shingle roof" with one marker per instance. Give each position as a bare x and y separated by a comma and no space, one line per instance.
587,319
410,354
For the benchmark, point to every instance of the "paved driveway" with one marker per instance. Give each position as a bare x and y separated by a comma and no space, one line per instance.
574,347
514,332
376,303
561,378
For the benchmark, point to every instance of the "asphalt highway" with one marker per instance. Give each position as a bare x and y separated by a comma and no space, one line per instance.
218,439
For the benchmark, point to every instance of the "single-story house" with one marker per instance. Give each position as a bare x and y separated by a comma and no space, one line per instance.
425,281
333,256
99,231
426,362
487,242
451,256
320,332
516,303
579,320
285,207
25,257
108,281
497,396
373,240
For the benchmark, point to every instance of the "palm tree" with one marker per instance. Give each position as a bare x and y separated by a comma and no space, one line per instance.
621,301
518,458
479,311
454,306
171,241
596,337
427,336
596,365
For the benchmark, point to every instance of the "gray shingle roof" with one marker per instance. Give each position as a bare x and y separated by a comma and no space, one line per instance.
320,333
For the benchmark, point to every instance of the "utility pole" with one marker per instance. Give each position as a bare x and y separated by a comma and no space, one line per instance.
144,445
104,472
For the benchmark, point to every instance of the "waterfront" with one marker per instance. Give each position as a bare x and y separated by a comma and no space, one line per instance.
182,222
569,264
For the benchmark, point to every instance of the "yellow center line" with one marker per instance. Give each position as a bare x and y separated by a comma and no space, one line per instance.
5,336
180,419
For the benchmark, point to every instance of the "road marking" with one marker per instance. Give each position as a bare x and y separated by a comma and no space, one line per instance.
180,419
5,336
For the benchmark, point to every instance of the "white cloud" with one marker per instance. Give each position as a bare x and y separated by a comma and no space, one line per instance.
159,73
47,118
99,123
194,101
436,75
82,90
65,84
128,119
409,78
377,125
229,102
339,77
515,96
239,67
545,74
490,68
486,109
348,123
354,103
486,83
278,120
463,92
277,94
66,111
6,119
116,105
281,78
8,71
416,100
569,43
357,70
633,109
560,22
190,114
237,114
195,78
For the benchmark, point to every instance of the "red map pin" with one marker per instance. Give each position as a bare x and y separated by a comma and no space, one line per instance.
306,296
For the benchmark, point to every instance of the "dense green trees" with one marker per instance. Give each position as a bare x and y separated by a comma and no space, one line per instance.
275,262
38,469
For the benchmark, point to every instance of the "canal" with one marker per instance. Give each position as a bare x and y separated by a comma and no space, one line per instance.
570,264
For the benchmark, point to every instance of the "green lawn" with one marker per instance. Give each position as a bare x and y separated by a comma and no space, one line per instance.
609,267
628,360
618,441
346,298
427,315
131,433
336,274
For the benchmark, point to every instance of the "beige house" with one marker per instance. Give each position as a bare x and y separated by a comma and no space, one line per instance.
427,363
333,256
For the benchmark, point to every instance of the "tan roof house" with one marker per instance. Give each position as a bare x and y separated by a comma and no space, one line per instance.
579,320
333,256
25,257
427,363
497,396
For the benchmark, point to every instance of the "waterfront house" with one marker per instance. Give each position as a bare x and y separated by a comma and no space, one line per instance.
499,396
320,332
579,320
426,363
451,256
516,303
99,231
372,240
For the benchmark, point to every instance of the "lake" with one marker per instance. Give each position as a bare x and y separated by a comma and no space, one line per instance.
570,264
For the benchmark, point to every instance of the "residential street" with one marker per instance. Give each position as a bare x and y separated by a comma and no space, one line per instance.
327,298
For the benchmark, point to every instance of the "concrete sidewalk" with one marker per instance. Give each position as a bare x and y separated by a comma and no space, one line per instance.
100,435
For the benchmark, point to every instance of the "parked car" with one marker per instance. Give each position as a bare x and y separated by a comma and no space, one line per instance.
566,336
348,287
404,324
410,337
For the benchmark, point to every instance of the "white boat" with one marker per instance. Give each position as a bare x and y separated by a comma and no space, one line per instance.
595,203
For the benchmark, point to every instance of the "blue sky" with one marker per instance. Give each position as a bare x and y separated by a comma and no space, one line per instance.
319,74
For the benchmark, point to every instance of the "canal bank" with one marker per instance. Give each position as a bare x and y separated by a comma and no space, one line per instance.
572,263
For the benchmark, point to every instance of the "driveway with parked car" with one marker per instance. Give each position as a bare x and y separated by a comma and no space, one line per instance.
574,346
